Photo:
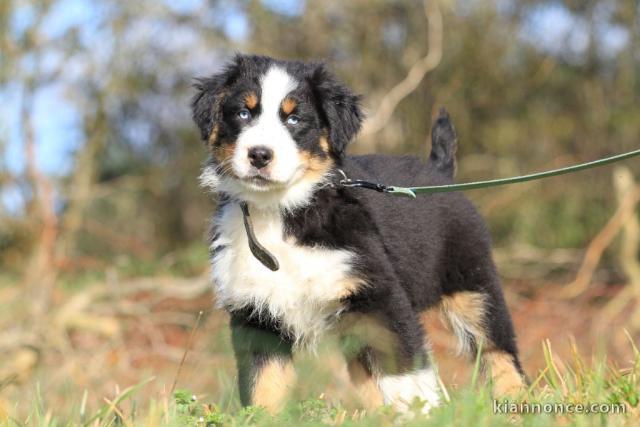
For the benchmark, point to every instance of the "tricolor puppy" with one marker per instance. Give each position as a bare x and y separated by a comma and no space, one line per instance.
352,262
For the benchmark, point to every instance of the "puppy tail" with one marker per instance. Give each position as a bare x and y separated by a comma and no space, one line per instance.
444,144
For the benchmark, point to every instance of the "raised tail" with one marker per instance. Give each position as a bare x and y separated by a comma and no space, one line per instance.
444,144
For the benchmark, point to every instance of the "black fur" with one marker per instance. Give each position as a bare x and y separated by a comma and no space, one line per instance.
325,104
444,144
411,253
205,105
340,107
414,251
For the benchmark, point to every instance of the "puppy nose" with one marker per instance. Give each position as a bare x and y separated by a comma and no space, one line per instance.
260,156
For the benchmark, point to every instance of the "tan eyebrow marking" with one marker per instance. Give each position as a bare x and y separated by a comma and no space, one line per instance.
288,105
251,100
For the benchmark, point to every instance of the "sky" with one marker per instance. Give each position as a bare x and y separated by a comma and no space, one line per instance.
56,122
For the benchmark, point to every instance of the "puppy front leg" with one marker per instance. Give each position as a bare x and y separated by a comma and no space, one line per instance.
264,360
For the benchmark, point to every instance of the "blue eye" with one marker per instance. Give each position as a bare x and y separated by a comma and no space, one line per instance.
244,114
293,120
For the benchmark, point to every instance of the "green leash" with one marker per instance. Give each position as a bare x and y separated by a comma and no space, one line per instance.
413,191
271,262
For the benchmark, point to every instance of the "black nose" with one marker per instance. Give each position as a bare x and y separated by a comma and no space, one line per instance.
260,156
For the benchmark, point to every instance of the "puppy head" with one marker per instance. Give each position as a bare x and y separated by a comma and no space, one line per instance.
274,129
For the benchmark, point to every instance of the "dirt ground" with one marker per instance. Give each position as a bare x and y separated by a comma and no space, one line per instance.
150,342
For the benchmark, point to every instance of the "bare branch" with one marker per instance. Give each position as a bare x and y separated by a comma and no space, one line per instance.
603,239
416,73
625,184
631,232
40,273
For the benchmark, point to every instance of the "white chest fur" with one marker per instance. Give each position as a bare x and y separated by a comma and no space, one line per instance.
304,293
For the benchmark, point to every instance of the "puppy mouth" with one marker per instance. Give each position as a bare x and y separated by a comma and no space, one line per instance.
260,181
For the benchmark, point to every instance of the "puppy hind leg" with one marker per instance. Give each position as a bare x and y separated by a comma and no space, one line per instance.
505,373
464,314
479,317
501,357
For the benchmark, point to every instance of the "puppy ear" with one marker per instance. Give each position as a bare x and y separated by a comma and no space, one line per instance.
205,104
341,107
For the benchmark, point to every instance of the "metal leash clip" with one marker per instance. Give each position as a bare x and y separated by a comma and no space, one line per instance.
347,182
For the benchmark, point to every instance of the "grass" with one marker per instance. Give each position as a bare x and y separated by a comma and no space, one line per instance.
569,382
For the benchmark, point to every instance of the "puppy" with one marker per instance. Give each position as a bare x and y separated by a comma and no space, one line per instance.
352,262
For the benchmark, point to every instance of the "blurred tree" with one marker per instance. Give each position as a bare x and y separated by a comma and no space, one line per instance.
530,85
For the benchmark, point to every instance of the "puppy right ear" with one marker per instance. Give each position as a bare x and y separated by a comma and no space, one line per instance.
205,104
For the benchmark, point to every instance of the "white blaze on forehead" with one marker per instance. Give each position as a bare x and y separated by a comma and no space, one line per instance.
268,131
276,84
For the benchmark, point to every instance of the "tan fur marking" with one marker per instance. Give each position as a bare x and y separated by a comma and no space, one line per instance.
316,168
348,287
223,154
272,385
506,379
213,137
324,144
464,312
365,384
251,100
288,105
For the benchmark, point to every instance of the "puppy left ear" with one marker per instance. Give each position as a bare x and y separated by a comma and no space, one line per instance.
341,107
